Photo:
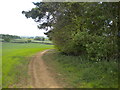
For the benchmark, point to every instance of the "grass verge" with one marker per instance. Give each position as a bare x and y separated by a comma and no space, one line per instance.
79,72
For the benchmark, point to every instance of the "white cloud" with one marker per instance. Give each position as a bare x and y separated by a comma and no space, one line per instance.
12,21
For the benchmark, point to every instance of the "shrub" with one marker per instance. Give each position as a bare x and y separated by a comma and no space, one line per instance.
28,41
7,39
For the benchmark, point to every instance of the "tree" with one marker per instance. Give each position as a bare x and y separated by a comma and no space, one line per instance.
77,28
39,38
7,37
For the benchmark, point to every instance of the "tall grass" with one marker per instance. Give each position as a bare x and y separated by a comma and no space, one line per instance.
79,72
15,59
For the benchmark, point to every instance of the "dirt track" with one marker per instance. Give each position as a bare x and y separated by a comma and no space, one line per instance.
41,77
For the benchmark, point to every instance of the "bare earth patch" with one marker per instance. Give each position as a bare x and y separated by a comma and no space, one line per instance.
40,75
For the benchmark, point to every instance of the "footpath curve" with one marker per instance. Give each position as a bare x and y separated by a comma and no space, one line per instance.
41,77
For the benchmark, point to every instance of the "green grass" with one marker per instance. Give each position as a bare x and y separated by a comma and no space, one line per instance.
15,59
42,41
1,40
79,72
26,40
0,65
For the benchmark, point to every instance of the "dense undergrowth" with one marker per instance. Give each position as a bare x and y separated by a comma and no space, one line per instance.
80,72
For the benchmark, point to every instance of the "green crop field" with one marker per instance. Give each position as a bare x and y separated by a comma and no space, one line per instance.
15,59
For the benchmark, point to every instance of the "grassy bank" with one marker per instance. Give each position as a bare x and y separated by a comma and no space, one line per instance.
15,59
79,72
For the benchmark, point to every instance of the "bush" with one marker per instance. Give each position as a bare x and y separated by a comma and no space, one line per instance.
97,47
28,41
7,39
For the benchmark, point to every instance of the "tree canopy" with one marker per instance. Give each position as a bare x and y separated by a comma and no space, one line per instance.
80,28
8,37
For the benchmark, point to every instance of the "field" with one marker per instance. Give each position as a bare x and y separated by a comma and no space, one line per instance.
15,59
69,71
79,72
0,65
32,41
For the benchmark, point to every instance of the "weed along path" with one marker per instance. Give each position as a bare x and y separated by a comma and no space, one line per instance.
40,75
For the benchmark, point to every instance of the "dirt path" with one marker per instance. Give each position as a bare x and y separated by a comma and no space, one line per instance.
41,77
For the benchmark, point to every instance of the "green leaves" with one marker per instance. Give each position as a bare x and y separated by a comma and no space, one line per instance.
77,28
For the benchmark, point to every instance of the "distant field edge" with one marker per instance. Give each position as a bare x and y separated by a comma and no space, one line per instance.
46,43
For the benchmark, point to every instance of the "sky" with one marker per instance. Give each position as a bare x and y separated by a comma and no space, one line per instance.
13,22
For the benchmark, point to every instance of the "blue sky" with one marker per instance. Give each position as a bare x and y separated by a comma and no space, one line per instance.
13,22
